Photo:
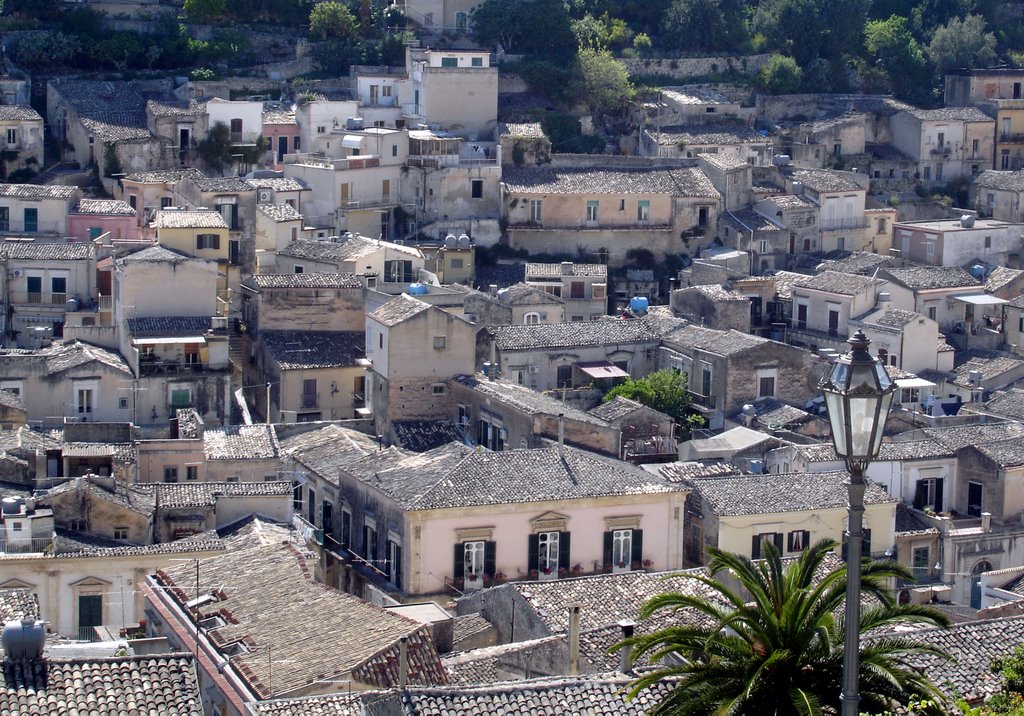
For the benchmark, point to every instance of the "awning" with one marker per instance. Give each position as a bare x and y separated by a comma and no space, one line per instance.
602,369
171,340
352,141
981,300
914,383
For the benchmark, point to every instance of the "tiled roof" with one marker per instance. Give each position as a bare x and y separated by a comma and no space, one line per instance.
725,160
581,333
1005,453
76,545
846,284
240,442
785,492
913,450
11,401
39,251
595,181
539,475
18,113
279,212
279,183
353,248
37,191
156,253
894,318
616,408
521,130
131,127
164,108
750,220
333,705
704,134
1009,403
715,292
947,114
328,449
791,201
309,279
64,356
177,495
972,647
185,219
98,97
131,497
399,309
168,326
271,597
1001,277
525,400
679,472
163,176
466,627
723,343
990,366
960,436
522,294
297,350
776,415
594,695
558,270
103,206
825,180
18,604
861,262
910,524
278,116
159,684
221,184
929,277
1005,181
424,435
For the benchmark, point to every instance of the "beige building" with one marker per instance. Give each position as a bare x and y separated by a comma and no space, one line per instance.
29,209
609,210
457,90
45,283
388,266
21,129
790,510
996,91
520,304
583,287
413,348
997,194
276,226
303,302
147,192
181,124
947,143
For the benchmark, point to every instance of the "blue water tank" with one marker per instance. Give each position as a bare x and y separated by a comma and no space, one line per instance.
978,271
638,304
417,289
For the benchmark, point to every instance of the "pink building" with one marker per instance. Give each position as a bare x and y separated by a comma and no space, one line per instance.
280,128
91,218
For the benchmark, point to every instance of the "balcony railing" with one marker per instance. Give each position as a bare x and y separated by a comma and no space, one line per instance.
358,400
705,401
105,303
33,297
943,150
157,366
87,633
27,545
1016,138
309,400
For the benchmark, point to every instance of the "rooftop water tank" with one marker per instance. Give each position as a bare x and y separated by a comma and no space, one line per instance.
464,241
450,241
24,639
12,505
978,271
967,221
417,289
639,304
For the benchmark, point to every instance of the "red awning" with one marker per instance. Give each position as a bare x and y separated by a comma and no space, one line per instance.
602,369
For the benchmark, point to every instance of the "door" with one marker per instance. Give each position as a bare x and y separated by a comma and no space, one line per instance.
833,323
374,94
801,317
31,220
90,614
974,491
282,148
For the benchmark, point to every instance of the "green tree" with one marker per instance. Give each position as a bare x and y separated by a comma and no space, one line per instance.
774,645
1010,700
330,20
204,10
46,50
540,28
605,82
664,390
215,150
704,25
899,57
962,44
780,75
807,29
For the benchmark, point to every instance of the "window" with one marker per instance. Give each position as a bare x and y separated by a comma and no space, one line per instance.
398,271
927,173
974,501
476,62
531,319
236,126
705,378
798,540
766,386
12,135
473,559
865,547
181,396
394,557
921,563
702,216
547,552
120,533
440,343
370,542
577,289
84,401
563,377
760,540
16,526
297,496
122,403
298,269
643,210
622,548
31,220
599,291
462,21
536,211
309,393
932,312
207,241
477,188
988,242
192,472
841,243
437,389
394,150
170,474
449,62
975,147
321,130
311,507
592,207
457,263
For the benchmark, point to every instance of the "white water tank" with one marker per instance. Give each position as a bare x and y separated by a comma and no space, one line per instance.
24,639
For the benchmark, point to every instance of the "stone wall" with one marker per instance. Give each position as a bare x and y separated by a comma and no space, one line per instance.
683,68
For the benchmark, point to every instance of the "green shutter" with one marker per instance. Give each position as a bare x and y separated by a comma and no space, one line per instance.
638,546
532,560
490,558
459,569
563,551
609,539
755,547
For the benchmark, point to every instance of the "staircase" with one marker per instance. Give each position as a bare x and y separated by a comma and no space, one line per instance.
236,354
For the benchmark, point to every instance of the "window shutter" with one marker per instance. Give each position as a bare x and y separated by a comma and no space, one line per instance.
807,539
490,554
532,561
755,547
460,561
398,566
366,543
563,551
609,538
638,546
921,494
790,540
865,549
777,539
938,494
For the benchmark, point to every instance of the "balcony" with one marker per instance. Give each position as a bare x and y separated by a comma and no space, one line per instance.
1017,138
151,365
310,400
38,298
943,150
27,545
704,401
358,400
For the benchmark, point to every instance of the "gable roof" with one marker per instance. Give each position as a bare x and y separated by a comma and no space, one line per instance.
240,442
1001,180
523,294
710,340
616,408
580,333
599,181
930,277
315,250
847,284
398,310
306,279
526,400
189,219
785,492
297,350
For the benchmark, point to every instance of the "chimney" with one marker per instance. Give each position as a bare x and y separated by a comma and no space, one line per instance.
567,268
561,435
492,289
574,639
626,653
403,663
986,521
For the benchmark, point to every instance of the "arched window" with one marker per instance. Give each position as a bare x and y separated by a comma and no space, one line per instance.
531,319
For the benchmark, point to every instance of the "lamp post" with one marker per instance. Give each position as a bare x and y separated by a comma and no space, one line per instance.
858,394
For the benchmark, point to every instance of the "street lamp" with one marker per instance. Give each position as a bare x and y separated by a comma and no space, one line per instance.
858,394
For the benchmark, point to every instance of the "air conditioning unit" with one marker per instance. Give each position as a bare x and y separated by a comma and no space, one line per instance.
503,434
17,272
534,369
266,196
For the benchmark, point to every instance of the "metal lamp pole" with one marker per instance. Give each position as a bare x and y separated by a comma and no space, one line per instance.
858,394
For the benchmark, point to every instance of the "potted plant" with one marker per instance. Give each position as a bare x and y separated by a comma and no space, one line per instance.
547,573
648,565
577,570
474,581
620,567
563,572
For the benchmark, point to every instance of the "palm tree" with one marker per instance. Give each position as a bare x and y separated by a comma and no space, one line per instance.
775,646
